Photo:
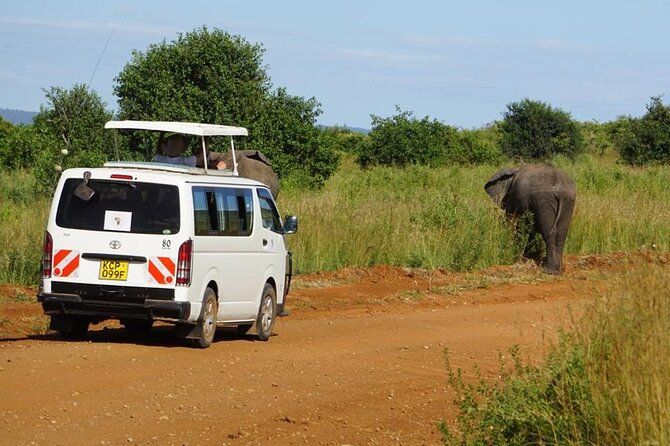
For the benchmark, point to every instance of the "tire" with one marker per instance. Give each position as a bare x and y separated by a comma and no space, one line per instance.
267,313
70,327
207,323
137,325
242,329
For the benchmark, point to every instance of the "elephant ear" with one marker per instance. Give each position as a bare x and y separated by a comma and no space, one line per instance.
496,187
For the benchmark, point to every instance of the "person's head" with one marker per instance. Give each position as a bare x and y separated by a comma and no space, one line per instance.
175,145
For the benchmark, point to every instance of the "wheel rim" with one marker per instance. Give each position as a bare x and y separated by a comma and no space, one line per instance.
266,315
208,323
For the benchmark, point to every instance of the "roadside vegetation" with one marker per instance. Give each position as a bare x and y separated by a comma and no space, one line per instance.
604,383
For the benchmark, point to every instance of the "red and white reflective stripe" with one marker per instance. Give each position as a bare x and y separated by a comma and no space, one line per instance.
161,270
66,263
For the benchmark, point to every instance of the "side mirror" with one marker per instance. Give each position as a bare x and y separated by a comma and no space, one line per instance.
290,224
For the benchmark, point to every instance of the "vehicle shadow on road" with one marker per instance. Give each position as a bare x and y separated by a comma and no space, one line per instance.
161,336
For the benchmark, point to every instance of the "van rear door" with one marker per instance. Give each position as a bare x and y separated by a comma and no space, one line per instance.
126,234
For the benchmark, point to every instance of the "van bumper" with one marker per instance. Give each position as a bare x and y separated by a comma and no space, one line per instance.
73,304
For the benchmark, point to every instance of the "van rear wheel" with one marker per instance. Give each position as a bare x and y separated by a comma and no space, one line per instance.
267,313
207,324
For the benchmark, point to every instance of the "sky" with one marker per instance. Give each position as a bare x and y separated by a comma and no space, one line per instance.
459,62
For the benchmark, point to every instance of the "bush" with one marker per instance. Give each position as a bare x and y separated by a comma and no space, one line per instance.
473,147
73,120
402,139
598,137
343,140
533,130
604,384
219,78
645,140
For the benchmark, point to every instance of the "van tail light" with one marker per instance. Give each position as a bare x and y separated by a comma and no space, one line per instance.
184,263
47,255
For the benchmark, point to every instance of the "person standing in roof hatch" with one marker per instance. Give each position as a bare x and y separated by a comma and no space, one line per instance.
175,145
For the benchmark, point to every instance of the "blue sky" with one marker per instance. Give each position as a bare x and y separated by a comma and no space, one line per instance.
459,62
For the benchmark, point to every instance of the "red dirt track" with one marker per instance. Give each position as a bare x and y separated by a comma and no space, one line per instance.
359,361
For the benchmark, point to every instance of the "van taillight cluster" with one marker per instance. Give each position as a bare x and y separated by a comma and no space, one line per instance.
47,255
184,263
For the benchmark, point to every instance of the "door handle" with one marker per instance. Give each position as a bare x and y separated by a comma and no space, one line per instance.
265,242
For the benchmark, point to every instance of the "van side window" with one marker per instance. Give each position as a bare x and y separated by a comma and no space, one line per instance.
223,211
269,212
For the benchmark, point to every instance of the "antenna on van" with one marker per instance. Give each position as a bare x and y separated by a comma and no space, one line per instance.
95,69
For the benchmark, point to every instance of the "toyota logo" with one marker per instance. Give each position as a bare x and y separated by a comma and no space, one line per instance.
115,244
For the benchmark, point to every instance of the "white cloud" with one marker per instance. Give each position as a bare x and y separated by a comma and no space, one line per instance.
79,25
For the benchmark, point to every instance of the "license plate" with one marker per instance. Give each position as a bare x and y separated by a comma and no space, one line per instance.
113,270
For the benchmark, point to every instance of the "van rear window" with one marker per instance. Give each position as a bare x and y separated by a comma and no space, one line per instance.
141,208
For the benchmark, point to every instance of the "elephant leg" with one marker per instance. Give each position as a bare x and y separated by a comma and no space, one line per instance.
563,225
545,218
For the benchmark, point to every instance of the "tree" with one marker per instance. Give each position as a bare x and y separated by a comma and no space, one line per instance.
69,132
534,130
645,140
402,139
215,77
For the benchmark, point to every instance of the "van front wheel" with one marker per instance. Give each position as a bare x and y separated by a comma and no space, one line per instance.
207,324
267,313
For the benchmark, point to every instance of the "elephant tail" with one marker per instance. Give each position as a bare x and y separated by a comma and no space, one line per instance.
558,214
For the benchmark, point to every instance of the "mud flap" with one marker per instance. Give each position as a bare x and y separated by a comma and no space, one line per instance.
60,323
188,331
281,308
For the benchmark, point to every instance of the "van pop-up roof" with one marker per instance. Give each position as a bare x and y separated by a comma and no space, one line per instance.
187,128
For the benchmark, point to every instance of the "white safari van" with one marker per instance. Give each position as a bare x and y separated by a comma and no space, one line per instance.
141,242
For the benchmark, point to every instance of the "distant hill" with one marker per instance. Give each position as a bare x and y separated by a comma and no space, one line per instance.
17,117
353,129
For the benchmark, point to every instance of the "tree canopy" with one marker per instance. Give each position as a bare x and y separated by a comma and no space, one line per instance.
645,140
214,77
534,130
67,132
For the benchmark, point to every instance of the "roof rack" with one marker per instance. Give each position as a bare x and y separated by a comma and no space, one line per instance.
167,168
188,128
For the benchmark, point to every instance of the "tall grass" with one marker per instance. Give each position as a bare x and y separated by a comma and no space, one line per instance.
23,217
605,383
418,216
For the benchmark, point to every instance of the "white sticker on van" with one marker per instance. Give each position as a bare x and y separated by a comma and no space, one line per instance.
118,221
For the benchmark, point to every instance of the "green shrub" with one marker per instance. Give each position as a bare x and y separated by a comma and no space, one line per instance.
72,120
534,130
472,147
645,140
402,139
549,404
606,383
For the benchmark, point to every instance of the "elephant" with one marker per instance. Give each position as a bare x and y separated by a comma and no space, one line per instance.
545,191
254,165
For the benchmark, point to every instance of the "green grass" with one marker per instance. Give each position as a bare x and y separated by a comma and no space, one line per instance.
23,218
423,217
604,383
416,217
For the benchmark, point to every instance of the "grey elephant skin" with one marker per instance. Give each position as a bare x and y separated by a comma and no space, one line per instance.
254,165
545,191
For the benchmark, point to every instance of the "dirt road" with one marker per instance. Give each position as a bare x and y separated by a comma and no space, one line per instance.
360,361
